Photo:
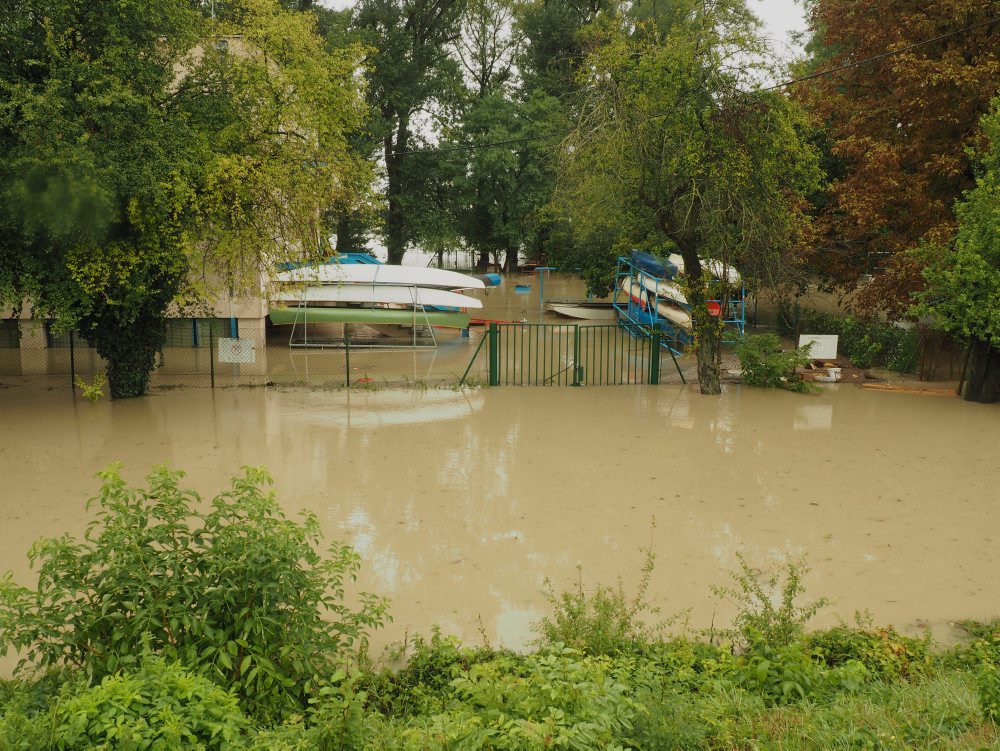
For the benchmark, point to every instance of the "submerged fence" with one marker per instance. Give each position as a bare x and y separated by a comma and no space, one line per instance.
576,355
500,355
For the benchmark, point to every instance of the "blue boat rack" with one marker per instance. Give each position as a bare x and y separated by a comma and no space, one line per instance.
638,319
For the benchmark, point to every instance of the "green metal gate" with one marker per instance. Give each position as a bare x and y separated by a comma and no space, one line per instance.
546,354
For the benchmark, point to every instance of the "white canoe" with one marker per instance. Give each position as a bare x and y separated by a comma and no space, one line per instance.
635,291
717,268
377,273
378,294
664,289
675,314
583,310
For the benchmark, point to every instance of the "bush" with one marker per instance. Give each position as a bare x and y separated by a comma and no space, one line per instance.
237,593
864,341
884,652
604,622
792,673
765,364
768,609
159,706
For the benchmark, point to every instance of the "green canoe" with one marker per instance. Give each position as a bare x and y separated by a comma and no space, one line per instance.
457,320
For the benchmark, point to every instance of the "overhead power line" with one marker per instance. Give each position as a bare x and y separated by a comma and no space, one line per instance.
782,85
882,56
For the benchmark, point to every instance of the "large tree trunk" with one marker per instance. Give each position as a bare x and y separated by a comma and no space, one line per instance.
708,337
984,372
708,344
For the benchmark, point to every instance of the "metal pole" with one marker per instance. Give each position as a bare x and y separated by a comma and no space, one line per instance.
654,358
211,353
494,335
347,356
577,378
72,364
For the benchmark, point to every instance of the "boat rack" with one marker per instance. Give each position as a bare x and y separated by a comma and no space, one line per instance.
421,336
639,316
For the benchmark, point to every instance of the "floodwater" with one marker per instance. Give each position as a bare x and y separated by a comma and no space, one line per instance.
462,503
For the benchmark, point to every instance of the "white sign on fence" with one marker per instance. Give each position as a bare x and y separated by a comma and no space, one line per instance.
824,346
237,350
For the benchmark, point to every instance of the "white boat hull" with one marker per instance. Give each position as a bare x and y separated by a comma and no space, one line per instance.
378,294
665,289
718,269
372,273
583,311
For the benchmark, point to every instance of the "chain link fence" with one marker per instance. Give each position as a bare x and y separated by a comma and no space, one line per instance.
210,357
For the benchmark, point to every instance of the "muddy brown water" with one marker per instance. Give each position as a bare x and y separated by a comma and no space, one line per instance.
462,503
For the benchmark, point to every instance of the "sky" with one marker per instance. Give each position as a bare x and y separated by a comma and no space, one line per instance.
779,16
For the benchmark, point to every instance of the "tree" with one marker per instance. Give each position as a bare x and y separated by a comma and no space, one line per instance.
142,158
500,181
410,74
674,147
963,277
898,130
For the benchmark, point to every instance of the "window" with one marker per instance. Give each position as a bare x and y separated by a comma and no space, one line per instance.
10,334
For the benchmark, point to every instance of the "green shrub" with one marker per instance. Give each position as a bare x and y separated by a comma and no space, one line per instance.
605,621
161,705
554,699
237,592
765,364
767,608
884,652
791,673
428,670
864,341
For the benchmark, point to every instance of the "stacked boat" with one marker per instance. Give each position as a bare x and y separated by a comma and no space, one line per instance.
654,297
378,295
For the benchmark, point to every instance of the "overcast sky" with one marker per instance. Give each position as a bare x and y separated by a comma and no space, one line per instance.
779,16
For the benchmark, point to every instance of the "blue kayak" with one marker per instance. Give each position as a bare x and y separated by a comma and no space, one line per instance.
652,265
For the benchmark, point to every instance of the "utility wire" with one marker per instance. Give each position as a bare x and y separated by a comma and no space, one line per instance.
784,84
882,56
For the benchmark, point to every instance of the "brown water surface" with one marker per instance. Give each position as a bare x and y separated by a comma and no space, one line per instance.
462,503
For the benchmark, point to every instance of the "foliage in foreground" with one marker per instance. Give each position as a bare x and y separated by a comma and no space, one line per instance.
125,644
237,592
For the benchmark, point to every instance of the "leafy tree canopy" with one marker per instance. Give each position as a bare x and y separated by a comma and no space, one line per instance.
898,130
674,147
147,151
963,278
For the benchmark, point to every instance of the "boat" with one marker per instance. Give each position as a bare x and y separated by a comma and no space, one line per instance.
391,316
378,294
650,264
379,274
674,313
582,309
718,269
664,289
635,292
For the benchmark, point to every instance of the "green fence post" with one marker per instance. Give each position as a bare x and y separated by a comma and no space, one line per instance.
494,355
654,358
577,374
